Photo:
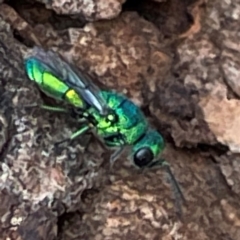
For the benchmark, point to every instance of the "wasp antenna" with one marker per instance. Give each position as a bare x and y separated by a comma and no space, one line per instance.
174,181
177,190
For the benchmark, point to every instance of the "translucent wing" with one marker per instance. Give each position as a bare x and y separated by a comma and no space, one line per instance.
72,77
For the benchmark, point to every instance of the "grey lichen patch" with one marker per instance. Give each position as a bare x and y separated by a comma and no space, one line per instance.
230,169
90,10
232,72
3,131
44,174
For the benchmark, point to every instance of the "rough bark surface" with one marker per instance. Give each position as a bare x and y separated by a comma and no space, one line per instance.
90,10
188,80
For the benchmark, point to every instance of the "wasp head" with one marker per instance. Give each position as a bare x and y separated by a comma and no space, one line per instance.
146,150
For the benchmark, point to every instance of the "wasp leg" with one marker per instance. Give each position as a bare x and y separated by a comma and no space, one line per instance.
115,156
54,109
46,107
74,135
114,140
177,191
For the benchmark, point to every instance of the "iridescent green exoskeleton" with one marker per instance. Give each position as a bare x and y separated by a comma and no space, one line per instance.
113,117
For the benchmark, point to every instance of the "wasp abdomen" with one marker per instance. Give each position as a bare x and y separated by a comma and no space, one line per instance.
51,85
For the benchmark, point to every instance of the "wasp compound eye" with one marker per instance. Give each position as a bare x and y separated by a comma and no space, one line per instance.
143,157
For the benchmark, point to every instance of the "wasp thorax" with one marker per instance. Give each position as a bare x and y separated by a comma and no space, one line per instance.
143,157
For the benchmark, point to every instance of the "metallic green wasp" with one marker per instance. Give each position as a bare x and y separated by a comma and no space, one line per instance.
116,120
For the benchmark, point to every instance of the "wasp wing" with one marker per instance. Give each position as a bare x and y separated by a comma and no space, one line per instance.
72,77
